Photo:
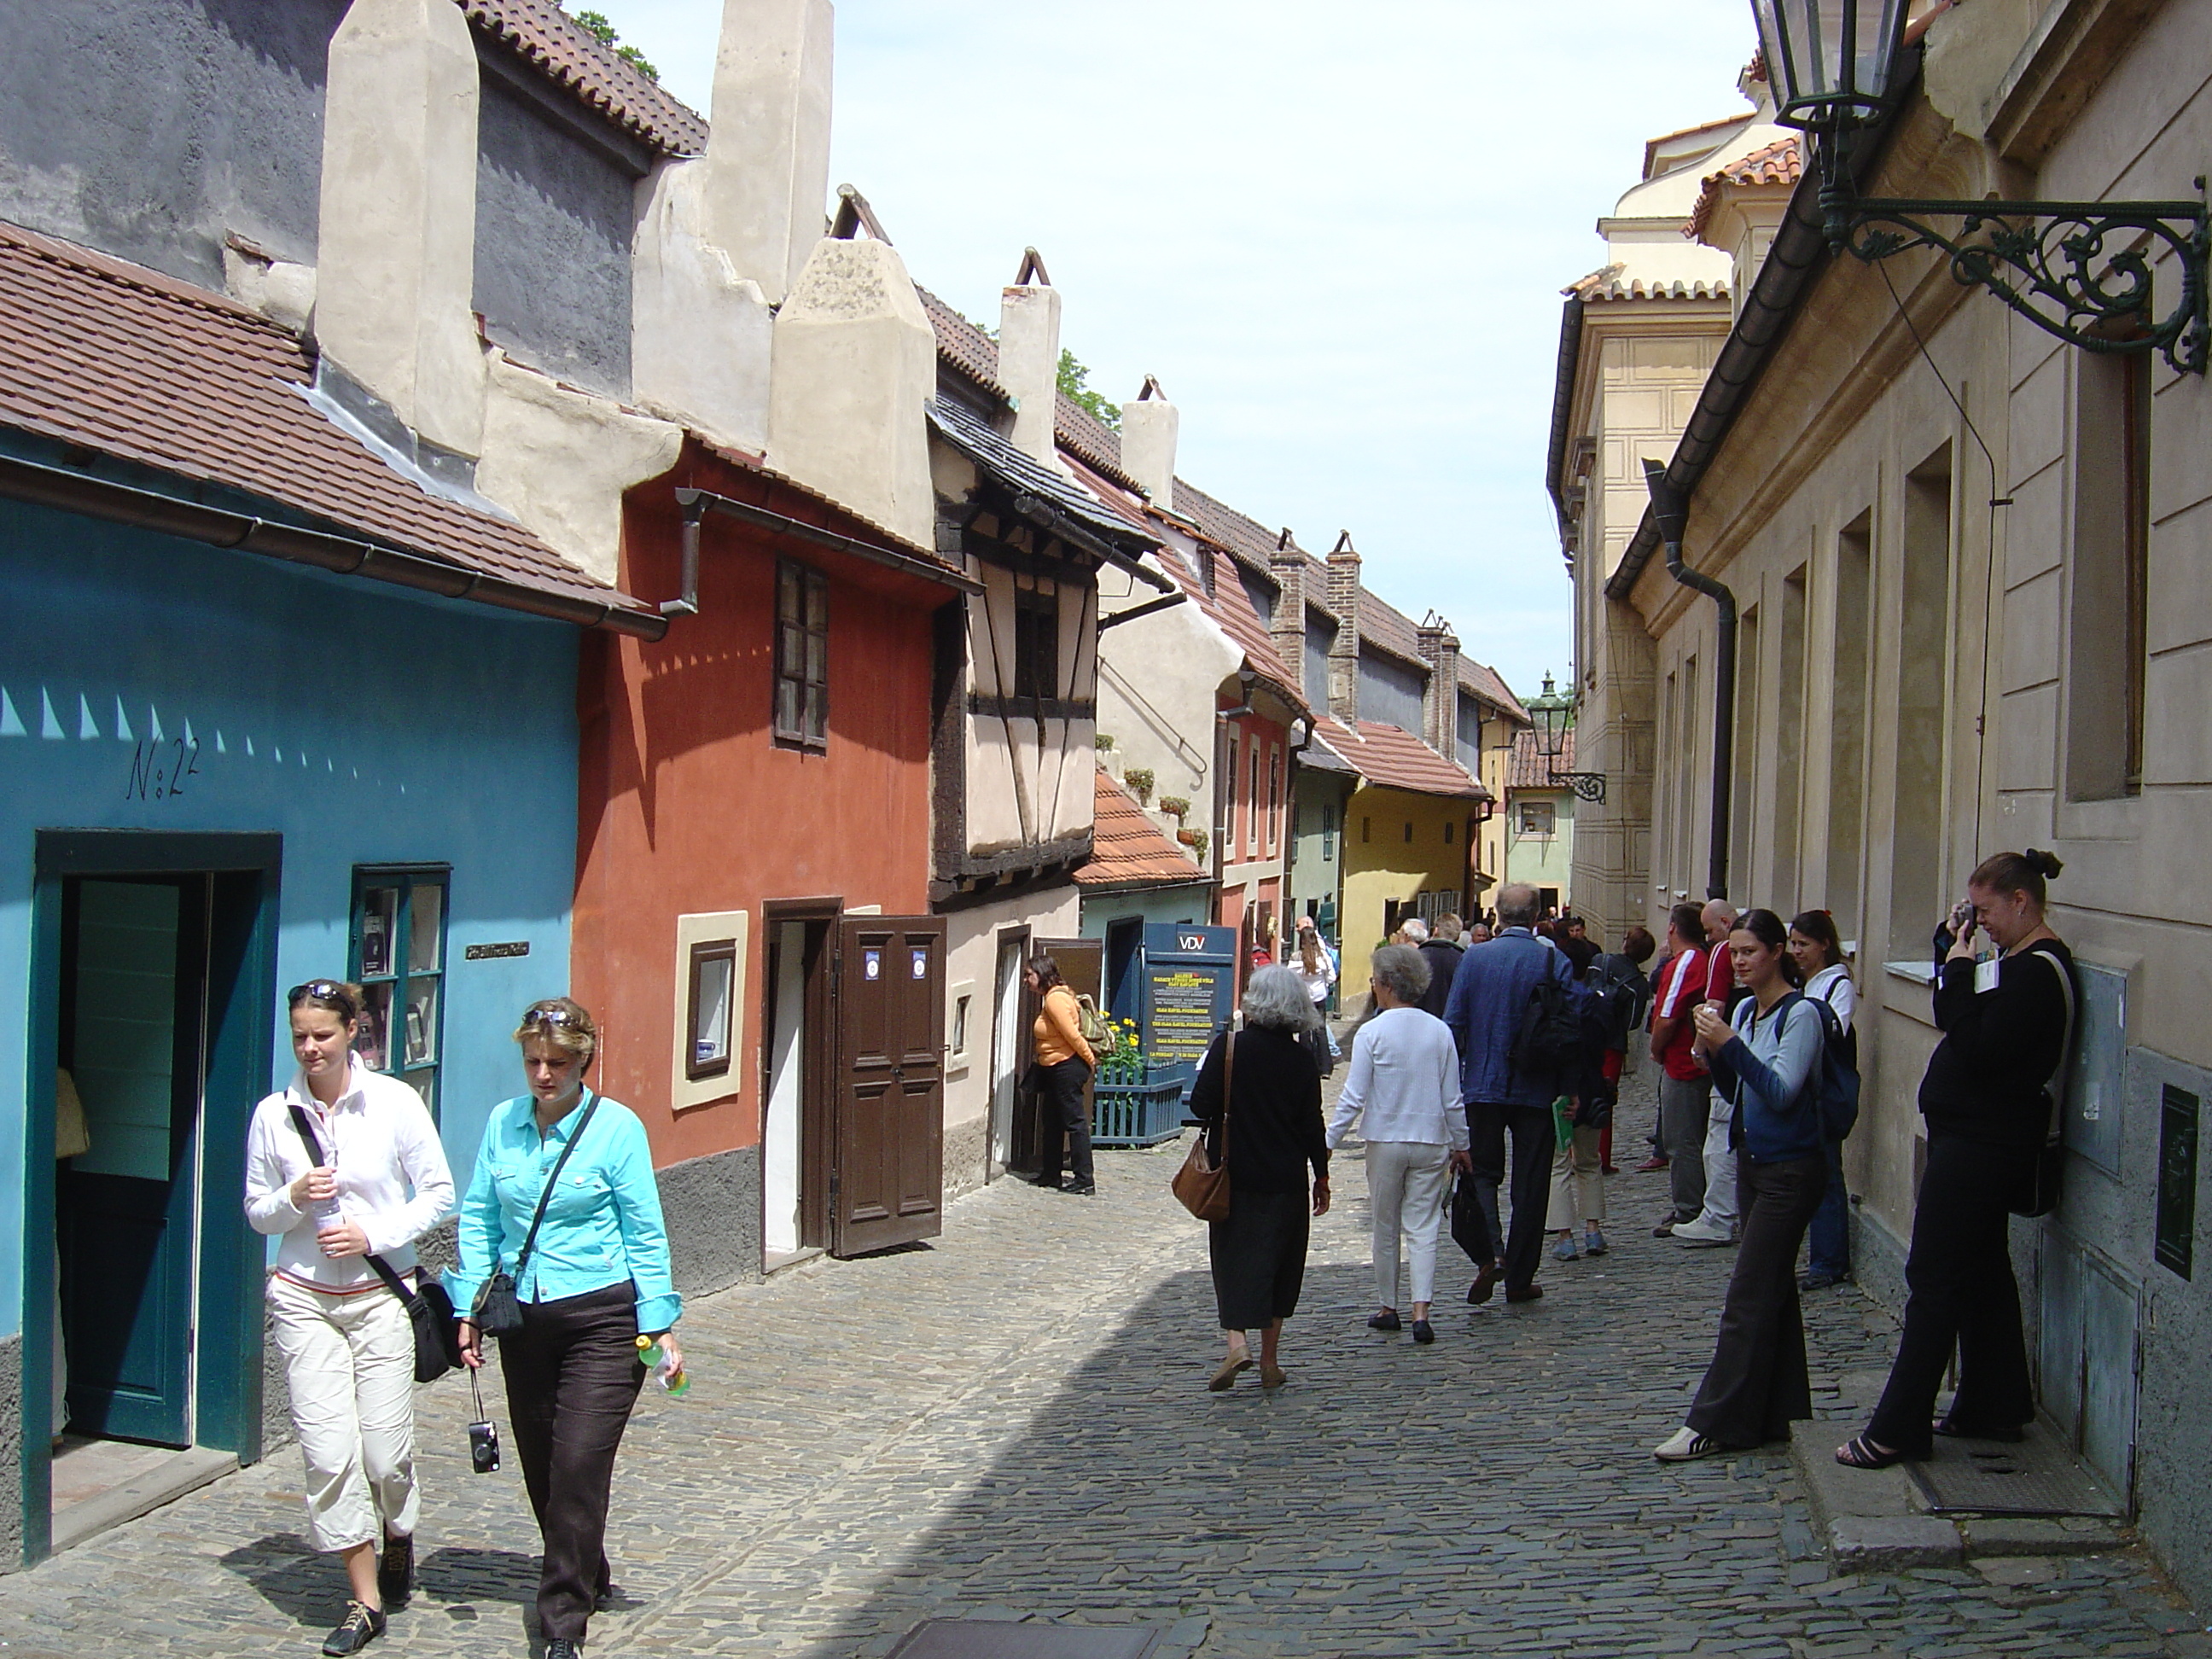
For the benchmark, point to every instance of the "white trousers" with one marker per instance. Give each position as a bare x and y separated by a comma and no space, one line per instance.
1577,1183
1407,1180
349,1361
1720,1209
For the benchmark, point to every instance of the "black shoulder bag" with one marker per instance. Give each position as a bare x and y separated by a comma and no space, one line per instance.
2038,1194
429,1309
497,1312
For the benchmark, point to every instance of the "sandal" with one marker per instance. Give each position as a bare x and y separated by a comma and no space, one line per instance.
1861,1453
1241,1361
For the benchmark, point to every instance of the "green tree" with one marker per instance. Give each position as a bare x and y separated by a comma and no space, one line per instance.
1073,376
601,29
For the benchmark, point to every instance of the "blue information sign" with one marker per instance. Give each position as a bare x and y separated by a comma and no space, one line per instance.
1189,976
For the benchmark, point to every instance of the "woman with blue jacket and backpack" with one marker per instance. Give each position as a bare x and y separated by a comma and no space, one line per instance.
1769,1064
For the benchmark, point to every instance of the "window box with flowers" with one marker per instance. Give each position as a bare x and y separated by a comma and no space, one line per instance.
1129,1108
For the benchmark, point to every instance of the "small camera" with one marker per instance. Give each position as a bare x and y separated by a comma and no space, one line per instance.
484,1447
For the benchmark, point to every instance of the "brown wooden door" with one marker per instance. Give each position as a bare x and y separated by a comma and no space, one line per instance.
888,1187
1082,963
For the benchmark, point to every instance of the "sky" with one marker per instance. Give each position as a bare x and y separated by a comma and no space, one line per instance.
1336,233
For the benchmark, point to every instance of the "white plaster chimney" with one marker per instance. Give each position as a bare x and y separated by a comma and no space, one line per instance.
396,261
1148,443
768,156
855,359
1028,356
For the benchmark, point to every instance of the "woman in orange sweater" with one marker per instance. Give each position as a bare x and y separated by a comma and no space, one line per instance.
1064,1064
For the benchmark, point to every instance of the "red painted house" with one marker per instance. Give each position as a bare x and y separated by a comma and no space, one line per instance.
754,823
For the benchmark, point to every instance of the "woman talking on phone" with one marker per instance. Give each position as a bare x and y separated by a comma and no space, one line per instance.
562,1231
1986,1095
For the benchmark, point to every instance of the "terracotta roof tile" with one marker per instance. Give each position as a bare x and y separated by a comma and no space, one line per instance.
1527,768
1607,283
1128,849
1392,757
139,366
547,37
961,344
1780,163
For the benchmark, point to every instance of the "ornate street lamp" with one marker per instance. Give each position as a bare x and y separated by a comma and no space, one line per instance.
1553,715
2081,270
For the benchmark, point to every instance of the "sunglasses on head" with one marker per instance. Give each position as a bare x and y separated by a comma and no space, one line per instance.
322,990
550,1017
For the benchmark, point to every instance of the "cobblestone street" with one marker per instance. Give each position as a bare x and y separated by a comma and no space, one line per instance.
1013,1422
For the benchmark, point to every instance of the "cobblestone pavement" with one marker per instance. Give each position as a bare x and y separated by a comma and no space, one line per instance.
1013,1422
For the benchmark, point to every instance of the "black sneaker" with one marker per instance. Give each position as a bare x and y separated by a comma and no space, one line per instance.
395,1571
1385,1320
1424,1332
561,1647
1081,1188
363,1625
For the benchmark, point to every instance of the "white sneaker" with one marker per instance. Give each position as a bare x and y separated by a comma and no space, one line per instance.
1703,1235
1685,1445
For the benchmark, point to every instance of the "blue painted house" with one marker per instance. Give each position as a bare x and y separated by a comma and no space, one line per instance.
277,700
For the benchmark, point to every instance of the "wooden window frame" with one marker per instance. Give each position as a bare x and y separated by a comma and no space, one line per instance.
1036,644
1274,798
701,954
1327,834
402,978
809,679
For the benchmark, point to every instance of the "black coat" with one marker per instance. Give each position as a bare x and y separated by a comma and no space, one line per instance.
1275,1127
1443,962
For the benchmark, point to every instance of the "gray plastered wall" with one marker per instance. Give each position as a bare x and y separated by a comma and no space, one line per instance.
554,220
149,128
713,1208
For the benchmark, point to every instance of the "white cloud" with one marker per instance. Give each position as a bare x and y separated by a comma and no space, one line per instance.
1336,233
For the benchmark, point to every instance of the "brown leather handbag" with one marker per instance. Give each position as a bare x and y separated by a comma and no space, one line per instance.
1202,1184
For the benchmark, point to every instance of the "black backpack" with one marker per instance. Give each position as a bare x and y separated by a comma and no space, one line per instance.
1552,1041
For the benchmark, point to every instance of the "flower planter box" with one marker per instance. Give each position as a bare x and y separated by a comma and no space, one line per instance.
1136,1114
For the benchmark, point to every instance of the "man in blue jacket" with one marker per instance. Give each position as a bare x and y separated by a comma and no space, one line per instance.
1489,998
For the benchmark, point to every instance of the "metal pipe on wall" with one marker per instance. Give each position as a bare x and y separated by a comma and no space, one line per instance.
1670,511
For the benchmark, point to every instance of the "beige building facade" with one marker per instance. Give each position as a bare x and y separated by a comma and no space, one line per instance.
1973,615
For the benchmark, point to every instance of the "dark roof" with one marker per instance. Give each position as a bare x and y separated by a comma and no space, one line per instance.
1392,757
1527,768
1020,471
551,41
1320,757
1484,681
134,365
1128,849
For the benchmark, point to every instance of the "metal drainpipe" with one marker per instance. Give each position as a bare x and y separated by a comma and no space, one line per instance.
1671,512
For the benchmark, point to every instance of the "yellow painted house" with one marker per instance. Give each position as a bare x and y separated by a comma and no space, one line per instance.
1409,830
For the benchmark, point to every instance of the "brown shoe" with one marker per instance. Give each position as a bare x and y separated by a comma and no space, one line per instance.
1226,1372
1486,1281
1526,1293
1273,1376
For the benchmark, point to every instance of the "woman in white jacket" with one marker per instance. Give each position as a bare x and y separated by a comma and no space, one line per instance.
1404,1080
374,1181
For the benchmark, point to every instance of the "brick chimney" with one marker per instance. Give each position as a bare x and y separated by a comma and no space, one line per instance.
1028,356
1148,443
1439,649
1343,650
1287,565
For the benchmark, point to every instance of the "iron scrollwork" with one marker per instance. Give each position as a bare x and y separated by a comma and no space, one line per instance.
1587,785
2081,270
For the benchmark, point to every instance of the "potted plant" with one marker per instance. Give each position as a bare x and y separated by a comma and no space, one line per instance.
1139,780
1175,804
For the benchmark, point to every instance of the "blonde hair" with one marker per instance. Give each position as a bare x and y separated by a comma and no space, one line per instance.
560,1022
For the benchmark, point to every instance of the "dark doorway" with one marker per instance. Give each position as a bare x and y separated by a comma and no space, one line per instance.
1125,941
888,1187
1082,963
152,984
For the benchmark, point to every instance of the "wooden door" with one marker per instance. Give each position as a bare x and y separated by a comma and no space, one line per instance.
888,1187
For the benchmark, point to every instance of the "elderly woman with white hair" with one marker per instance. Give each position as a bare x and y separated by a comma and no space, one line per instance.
1405,1081
1269,1116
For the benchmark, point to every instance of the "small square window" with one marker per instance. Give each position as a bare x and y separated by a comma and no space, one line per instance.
709,999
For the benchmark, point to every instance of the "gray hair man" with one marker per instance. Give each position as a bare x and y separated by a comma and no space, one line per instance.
1489,996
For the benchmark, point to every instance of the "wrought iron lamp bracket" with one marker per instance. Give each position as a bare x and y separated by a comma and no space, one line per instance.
2081,270
1587,785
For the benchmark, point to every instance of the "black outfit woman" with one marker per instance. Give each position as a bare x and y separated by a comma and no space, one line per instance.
1986,1097
1275,1132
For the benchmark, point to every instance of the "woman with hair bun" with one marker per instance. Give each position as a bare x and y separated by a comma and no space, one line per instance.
1986,1095
591,1277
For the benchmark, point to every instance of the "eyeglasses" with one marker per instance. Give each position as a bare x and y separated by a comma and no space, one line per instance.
551,1017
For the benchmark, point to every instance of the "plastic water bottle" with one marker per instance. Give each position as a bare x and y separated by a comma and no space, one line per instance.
674,1380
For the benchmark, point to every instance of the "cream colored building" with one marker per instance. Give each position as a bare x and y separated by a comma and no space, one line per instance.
1975,614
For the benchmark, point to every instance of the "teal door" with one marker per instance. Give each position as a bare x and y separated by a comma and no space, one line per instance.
133,1014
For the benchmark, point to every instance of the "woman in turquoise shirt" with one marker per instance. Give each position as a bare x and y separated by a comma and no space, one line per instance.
596,1276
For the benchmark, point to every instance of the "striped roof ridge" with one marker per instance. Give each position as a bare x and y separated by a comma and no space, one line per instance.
1128,849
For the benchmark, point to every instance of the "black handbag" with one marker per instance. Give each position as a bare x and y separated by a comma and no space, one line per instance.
497,1311
1470,1228
429,1309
